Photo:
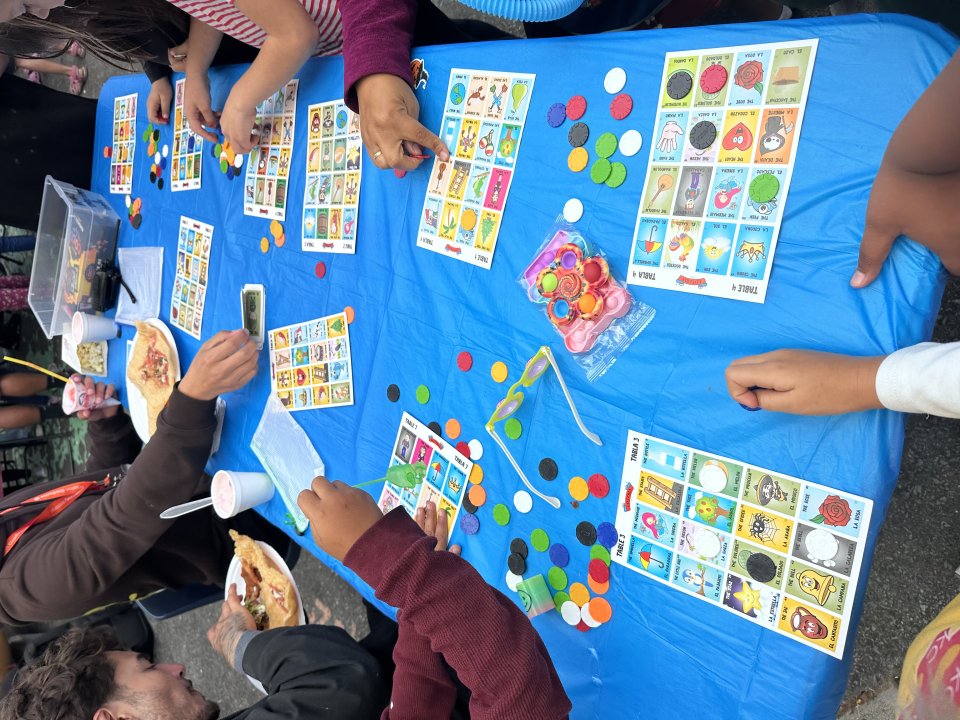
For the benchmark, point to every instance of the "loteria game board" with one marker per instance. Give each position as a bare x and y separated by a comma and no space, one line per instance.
482,125
779,551
190,282
332,191
124,145
447,471
724,146
310,363
187,163
268,167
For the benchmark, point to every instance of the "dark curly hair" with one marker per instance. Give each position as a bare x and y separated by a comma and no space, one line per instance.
69,682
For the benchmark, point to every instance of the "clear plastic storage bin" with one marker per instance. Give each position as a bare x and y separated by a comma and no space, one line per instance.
77,228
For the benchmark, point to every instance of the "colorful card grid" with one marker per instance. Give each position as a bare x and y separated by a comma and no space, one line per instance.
310,364
124,143
332,191
447,472
482,125
782,552
268,166
187,158
190,282
722,156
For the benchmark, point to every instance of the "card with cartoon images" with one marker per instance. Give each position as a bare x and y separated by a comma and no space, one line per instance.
466,196
766,535
830,509
446,474
190,282
268,169
322,368
123,148
724,147
697,578
333,178
753,600
187,159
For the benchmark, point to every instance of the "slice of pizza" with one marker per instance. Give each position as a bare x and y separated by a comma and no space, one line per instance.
151,368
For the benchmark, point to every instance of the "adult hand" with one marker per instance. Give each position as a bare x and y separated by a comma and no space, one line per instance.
913,204
226,362
434,523
236,124
196,105
234,620
338,514
101,391
805,382
177,57
158,101
389,125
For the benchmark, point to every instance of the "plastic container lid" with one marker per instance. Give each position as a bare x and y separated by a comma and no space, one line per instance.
525,10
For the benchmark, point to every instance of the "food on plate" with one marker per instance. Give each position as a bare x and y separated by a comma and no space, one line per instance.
269,593
152,370
91,357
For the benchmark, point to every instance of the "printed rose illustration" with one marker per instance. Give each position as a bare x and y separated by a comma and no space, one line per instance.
750,75
834,511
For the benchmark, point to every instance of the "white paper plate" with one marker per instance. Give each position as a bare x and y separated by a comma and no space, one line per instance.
135,400
234,576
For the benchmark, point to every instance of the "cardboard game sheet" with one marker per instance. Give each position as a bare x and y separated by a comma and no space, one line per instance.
187,162
310,363
268,165
779,551
447,472
721,159
482,126
332,190
190,283
123,147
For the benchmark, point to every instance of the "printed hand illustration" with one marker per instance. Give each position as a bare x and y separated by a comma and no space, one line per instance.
668,137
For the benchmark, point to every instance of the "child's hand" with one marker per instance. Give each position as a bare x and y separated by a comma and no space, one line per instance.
338,514
158,101
236,124
911,204
388,122
805,382
177,57
196,105
433,522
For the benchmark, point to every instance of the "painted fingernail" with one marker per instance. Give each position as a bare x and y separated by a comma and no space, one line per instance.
747,407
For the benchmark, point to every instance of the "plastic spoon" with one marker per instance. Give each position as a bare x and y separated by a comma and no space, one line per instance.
180,510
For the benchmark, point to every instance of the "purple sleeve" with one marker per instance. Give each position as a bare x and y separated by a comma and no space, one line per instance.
376,39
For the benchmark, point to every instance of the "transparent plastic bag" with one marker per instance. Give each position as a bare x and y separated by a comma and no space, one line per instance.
142,271
593,312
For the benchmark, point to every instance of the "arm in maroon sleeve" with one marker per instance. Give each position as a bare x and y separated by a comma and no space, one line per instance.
493,648
420,680
376,39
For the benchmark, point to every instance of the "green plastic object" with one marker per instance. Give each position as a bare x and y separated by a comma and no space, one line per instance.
402,476
501,514
557,578
540,540
600,170
606,145
535,596
618,174
513,428
423,394
559,599
601,553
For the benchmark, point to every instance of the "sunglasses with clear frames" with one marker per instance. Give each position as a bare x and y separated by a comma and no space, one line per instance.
536,367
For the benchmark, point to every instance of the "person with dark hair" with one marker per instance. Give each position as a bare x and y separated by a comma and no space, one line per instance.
488,664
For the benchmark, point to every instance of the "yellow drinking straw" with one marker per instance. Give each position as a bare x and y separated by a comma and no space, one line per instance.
52,374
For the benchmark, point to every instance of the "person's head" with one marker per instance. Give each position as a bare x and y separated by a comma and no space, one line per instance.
86,675
111,29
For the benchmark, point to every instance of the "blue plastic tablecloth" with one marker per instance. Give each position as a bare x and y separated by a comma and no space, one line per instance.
663,654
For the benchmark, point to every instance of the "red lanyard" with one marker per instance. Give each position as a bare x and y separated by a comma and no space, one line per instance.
63,497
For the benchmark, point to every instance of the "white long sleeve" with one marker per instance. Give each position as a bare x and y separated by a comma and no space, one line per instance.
924,378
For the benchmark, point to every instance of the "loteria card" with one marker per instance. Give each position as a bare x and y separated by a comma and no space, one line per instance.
187,149
123,147
268,166
779,551
482,126
190,282
310,364
724,146
332,191
447,472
